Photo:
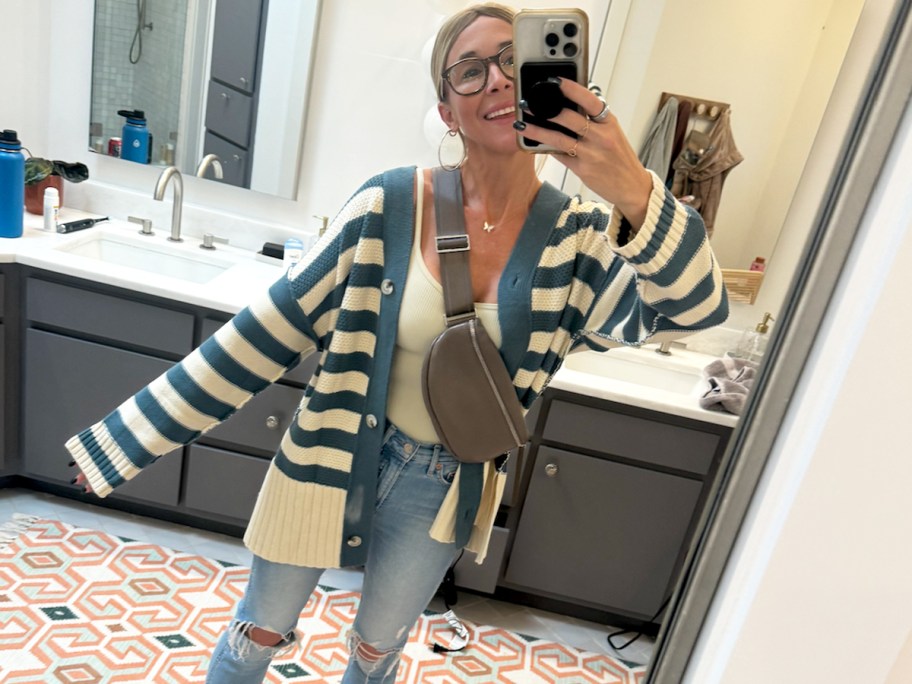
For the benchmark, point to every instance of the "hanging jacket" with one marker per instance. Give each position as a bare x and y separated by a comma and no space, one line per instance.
656,151
704,175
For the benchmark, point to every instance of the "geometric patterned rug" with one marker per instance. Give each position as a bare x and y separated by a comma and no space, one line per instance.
80,606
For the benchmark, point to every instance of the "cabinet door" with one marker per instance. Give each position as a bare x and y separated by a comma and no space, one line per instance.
603,533
229,114
233,160
223,482
235,43
70,384
3,381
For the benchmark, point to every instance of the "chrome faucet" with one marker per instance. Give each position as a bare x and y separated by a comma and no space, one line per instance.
664,349
207,161
178,199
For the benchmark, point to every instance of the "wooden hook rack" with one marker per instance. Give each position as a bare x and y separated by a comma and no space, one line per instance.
709,109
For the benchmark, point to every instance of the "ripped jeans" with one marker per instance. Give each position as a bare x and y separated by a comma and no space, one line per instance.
403,570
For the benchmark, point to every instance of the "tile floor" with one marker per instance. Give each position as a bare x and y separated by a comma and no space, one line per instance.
572,631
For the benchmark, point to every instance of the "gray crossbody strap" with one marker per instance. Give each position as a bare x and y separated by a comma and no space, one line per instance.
452,247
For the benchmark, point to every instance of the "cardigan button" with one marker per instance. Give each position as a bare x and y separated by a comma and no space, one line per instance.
371,420
386,287
354,541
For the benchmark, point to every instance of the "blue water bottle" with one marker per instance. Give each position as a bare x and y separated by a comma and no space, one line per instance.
12,185
137,143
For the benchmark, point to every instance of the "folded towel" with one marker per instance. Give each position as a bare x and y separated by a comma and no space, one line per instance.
730,381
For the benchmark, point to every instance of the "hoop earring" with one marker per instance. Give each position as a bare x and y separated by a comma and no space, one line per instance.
452,133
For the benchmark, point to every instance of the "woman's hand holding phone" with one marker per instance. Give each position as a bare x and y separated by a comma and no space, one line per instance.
600,154
556,114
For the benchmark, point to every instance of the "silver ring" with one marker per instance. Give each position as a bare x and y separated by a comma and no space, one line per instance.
602,115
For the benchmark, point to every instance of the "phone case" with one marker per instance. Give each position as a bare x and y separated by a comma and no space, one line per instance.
547,43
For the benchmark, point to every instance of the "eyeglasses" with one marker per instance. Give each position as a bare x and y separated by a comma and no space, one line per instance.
470,76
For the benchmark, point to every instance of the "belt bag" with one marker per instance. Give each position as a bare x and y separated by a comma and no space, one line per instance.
467,390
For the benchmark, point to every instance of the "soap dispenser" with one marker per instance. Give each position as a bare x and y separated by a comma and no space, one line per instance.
136,142
752,344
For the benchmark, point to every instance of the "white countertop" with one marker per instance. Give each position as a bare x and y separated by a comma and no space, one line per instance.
229,292
250,274
678,395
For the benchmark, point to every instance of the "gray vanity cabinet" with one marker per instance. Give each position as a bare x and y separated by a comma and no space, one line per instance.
601,532
612,495
5,380
87,348
84,353
3,383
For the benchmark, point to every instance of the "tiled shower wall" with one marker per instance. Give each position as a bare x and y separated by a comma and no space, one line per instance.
153,84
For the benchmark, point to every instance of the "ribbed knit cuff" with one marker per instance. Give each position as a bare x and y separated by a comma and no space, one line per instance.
661,232
94,446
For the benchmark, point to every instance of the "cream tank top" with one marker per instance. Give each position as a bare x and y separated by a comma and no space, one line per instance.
420,321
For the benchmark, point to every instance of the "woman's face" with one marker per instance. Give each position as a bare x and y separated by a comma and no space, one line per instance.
485,118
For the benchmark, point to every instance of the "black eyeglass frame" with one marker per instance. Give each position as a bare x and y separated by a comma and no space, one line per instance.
486,62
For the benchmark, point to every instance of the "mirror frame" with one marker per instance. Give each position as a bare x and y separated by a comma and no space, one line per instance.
875,122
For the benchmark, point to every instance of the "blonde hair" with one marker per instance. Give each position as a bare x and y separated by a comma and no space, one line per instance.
451,30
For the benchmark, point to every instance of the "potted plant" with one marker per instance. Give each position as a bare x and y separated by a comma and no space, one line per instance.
44,173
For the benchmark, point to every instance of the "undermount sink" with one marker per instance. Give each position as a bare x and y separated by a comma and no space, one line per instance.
656,373
158,258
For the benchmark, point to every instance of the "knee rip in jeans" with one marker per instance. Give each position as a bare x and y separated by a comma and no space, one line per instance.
241,643
372,660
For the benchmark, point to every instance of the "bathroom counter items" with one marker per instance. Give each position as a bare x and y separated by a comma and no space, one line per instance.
114,253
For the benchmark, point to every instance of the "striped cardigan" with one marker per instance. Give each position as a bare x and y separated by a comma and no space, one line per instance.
568,282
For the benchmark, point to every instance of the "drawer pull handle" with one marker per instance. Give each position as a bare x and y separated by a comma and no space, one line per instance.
226,96
551,470
272,422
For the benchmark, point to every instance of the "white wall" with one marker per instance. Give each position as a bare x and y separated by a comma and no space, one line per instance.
24,104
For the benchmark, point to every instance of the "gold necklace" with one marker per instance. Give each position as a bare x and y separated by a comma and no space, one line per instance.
489,227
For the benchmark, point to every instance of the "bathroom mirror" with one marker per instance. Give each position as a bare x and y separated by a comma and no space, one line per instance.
227,78
689,35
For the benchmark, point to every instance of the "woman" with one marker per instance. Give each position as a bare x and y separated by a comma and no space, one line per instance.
359,478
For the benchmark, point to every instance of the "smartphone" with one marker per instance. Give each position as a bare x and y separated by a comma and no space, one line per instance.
548,43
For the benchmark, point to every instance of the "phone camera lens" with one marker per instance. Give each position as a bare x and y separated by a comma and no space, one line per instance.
570,30
552,39
570,50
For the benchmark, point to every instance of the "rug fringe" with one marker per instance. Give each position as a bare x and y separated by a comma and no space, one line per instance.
11,530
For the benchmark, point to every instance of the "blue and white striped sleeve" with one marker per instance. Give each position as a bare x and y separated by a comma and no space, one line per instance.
668,285
241,359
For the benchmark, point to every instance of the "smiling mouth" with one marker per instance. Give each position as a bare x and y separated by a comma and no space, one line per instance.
497,114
